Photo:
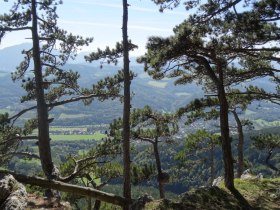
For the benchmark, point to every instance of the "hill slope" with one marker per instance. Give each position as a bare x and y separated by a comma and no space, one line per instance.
262,195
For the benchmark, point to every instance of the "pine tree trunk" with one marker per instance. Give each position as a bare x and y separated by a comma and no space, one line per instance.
89,204
240,167
159,171
226,143
97,205
42,110
126,108
212,168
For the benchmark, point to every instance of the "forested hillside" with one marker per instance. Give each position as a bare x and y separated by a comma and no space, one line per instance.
102,128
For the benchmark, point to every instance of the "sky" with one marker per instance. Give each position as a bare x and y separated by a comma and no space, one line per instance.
102,20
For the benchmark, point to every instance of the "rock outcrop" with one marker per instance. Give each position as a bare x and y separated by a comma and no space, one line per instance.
12,194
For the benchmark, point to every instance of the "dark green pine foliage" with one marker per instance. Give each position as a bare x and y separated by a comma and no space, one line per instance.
94,168
199,148
270,144
42,73
206,53
153,128
257,23
208,109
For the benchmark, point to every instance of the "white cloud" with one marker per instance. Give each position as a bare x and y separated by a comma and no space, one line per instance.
132,7
137,27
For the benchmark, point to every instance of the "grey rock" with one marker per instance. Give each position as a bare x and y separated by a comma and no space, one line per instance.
259,176
247,171
217,181
247,175
13,195
139,204
7,182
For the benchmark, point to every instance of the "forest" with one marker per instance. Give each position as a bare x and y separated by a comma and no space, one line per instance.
200,104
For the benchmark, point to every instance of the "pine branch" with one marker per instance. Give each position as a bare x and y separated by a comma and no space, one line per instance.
73,99
26,154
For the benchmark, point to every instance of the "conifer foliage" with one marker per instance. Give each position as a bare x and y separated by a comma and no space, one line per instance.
49,84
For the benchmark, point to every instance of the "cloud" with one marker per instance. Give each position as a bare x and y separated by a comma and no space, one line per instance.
137,27
132,7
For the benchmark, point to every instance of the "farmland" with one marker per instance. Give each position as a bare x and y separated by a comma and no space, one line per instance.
77,137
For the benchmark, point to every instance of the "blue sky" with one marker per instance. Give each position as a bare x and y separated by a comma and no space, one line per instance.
102,20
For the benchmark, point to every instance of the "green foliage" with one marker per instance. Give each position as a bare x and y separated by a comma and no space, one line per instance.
142,173
266,141
109,55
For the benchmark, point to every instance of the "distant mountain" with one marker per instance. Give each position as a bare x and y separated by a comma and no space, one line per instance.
161,95
10,57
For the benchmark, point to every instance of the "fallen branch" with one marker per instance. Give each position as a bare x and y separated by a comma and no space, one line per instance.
56,185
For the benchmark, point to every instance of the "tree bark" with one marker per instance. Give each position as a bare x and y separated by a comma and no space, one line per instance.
226,143
212,167
97,205
159,171
269,164
89,203
240,145
42,110
126,108
61,186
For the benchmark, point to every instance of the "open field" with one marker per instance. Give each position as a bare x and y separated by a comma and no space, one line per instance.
71,116
76,137
265,123
63,129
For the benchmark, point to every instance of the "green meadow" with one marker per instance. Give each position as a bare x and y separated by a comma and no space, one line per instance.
76,137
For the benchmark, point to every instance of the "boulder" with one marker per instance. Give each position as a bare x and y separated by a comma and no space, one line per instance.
259,176
139,204
12,194
217,181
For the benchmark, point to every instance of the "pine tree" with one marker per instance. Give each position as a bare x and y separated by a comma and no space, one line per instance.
208,108
50,85
268,143
151,127
205,53
197,143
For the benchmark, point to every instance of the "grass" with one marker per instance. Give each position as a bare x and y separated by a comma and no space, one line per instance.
68,129
64,116
265,123
261,194
96,136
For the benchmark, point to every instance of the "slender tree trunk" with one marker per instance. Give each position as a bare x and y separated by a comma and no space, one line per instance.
89,204
126,108
267,161
226,143
212,168
97,205
42,110
159,171
240,145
